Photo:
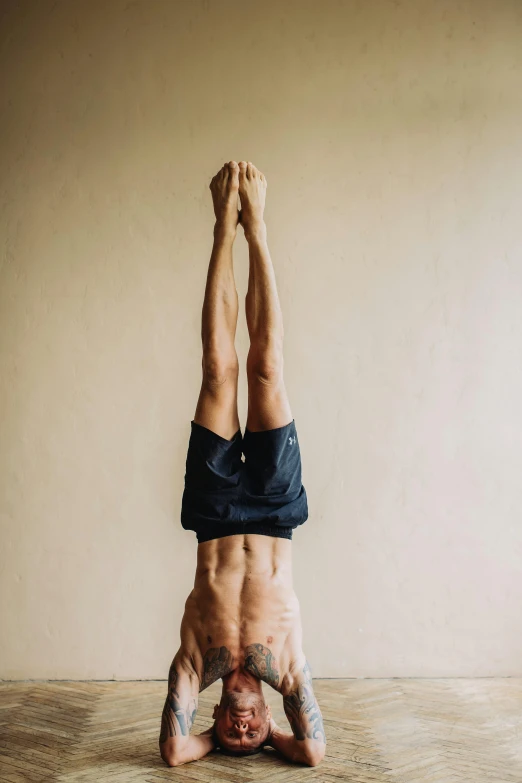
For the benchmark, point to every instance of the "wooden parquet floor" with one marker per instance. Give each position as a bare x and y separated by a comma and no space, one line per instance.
393,731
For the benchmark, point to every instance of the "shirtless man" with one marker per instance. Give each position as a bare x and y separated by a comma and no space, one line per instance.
242,622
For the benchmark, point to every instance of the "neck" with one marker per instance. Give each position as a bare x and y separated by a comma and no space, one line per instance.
240,681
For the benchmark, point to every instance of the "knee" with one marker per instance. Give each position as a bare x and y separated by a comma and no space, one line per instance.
265,366
219,368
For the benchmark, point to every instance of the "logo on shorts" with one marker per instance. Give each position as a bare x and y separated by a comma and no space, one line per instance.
292,440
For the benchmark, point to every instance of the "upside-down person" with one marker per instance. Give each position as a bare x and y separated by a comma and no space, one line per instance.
243,497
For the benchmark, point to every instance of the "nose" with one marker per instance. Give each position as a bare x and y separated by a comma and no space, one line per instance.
240,726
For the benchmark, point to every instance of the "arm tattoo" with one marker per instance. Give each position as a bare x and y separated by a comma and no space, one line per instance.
302,710
260,662
218,662
175,718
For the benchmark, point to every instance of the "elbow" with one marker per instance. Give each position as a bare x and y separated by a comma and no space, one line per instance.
314,756
171,758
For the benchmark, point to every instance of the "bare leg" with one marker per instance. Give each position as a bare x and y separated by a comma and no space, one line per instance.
268,405
217,403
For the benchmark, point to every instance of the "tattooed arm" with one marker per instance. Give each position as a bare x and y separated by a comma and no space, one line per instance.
307,743
217,663
260,662
176,745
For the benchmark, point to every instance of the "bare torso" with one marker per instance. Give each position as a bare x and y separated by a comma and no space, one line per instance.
243,600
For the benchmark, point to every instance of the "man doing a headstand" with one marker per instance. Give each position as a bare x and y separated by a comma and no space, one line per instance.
243,497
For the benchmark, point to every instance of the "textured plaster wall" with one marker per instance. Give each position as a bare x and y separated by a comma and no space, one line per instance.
390,136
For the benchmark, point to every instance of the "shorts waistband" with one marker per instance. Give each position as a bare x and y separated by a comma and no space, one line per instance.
222,530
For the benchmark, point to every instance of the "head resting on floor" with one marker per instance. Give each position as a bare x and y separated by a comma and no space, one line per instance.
241,723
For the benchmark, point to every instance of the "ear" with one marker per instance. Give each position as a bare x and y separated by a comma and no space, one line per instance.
214,714
268,712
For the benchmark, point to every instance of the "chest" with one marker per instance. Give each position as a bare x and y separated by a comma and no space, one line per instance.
257,629
260,612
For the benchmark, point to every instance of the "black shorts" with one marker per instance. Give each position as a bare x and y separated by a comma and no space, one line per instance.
225,495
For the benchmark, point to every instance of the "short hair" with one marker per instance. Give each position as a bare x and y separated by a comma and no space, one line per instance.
227,752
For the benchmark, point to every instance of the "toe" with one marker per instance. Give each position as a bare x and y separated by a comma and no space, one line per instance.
233,173
250,170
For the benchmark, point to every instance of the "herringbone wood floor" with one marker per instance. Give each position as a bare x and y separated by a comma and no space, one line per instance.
406,731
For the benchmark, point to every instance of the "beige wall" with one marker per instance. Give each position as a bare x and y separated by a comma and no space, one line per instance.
390,136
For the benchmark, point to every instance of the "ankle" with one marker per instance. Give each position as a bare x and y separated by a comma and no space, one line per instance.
224,232
255,232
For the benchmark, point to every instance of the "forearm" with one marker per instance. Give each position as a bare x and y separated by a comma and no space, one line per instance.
198,746
195,747
286,743
309,752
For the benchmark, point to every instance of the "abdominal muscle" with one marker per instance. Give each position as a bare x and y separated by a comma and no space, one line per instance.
243,594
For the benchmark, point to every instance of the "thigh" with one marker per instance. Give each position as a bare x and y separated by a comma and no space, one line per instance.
212,483
217,407
272,483
268,405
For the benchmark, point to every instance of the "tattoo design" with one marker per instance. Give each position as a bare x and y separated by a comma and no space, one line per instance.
302,710
260,662
176,719
218,662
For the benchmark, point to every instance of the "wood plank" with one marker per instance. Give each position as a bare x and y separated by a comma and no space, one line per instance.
379,731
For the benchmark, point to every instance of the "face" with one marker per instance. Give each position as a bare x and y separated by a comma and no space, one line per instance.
242,721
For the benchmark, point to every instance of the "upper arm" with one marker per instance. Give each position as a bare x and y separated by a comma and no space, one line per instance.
181,703
300,704
217,663
260,662
301,707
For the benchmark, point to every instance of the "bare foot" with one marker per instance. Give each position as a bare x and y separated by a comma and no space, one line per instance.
224,188
252,192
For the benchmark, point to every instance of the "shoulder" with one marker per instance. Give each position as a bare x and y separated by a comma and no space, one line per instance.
297,673
183,671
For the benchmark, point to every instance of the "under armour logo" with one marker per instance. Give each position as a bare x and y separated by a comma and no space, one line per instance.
291,440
